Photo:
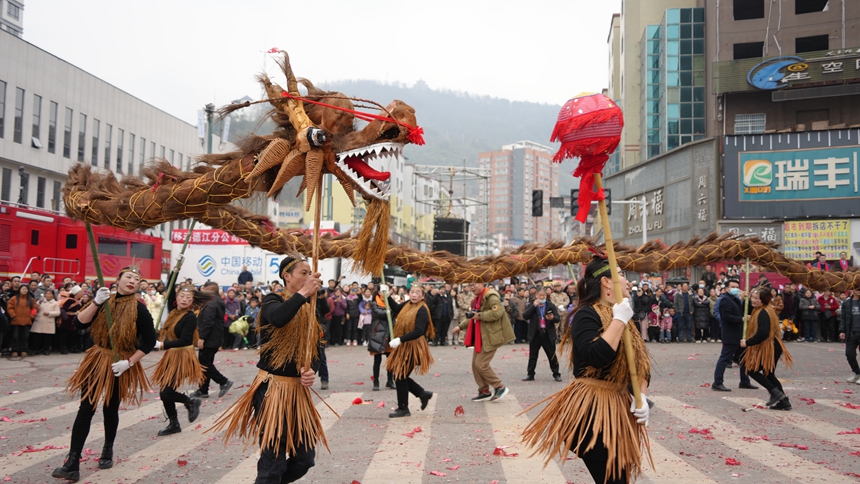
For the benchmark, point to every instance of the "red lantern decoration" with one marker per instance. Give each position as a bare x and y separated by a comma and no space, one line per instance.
589,128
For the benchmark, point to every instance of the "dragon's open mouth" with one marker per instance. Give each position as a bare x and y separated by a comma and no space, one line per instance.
356,165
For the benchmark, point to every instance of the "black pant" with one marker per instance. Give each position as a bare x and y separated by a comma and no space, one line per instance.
280,468
442,330
336,330
654,333
521,330
68,339
541,340
21,338
726,356
206,356
715,329
769,381
595,460
323,371
377,362
41,341
404,388
352,333
229,339
852,340
169,397
828,329
84,418
702,334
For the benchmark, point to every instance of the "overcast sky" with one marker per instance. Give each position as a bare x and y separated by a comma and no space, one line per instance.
179,55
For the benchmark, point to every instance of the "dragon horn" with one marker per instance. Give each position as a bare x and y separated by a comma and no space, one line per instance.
295,108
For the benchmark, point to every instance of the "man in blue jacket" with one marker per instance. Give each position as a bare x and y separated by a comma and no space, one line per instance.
732,318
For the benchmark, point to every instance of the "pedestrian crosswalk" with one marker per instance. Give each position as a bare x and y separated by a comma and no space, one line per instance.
407,450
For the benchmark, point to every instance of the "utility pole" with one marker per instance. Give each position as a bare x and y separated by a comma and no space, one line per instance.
210,113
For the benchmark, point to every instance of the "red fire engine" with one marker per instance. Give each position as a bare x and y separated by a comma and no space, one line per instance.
34,240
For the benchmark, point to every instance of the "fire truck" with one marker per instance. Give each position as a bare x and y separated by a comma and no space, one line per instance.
35,240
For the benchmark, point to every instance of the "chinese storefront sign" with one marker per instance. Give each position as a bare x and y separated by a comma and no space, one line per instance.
653,208
804,238
767,233
812,174
210,237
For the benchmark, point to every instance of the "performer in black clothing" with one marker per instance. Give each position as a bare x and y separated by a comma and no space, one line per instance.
277,409
542,316
595,415
98,378
409,349
210,326
764,348
179,365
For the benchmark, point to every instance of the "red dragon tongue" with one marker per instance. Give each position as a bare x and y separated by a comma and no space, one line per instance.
359,166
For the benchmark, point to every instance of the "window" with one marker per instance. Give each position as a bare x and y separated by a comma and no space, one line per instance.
811,44
13,11
55,202
82,134
112,246
52,127
37,120
141,250
152,149
34,237
809,6
18,129
2,108
108,135
180,162
163,152
131,153
6,187
748,50
748,9
120,134
171,158
142,153
95,159
749,123
40,192
67,134
71,241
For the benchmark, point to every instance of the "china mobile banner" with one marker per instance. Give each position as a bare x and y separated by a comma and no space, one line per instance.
214,255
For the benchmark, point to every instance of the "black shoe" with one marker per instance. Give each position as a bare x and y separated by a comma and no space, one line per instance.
481,396
193,409
323,385
106,459
226,386
400,412
172,428
425,399
499,393
776,396
64,352
376,385
748,386
557,377
730,365
529,378
390,384
784,404
720,387
444,343
432,343
70,469
199,394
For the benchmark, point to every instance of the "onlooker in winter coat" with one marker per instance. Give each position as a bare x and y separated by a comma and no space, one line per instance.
21,310
702,316
809,309
45,324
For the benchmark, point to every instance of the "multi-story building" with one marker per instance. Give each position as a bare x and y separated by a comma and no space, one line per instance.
54,115
12,17
518,169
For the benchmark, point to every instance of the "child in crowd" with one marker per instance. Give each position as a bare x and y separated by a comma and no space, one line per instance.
668,328
654,323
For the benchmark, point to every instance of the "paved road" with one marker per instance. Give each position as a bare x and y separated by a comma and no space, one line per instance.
369,448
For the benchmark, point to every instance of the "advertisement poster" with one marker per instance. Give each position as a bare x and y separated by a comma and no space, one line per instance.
804,238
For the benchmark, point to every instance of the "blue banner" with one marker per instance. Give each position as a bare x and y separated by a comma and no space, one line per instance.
807,174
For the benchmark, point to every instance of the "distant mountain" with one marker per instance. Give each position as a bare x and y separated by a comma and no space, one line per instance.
457,126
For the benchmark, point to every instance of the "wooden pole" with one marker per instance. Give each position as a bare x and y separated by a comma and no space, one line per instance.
619,295
174,274
101,279
387,310
747,299
315,261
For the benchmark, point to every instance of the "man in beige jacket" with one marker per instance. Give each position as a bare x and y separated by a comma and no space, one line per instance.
487,328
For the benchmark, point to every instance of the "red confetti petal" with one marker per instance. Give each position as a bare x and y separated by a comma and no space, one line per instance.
355,482
501,451
380,405
850,405
357,401
417,429
459,411
809,401
358,383
732,462
454,468
848,392
848,432
705,385
437,473
181,463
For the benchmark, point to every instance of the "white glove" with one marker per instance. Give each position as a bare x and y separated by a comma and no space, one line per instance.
642,414
120,367
159,345
394,343
102,295
622,311
383,288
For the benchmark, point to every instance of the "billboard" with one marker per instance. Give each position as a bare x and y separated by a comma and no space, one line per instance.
792,175
804,238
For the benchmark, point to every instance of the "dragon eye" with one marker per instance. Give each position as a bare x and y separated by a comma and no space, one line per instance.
390,133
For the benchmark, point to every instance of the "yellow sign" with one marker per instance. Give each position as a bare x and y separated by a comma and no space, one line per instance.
802,239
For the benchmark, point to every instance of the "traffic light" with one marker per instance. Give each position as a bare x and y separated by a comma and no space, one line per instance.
537,203
574,202
608,193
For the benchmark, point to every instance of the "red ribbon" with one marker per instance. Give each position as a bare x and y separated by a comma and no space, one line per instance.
588,166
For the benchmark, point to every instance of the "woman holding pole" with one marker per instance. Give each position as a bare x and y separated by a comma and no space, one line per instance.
595,416
109,372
